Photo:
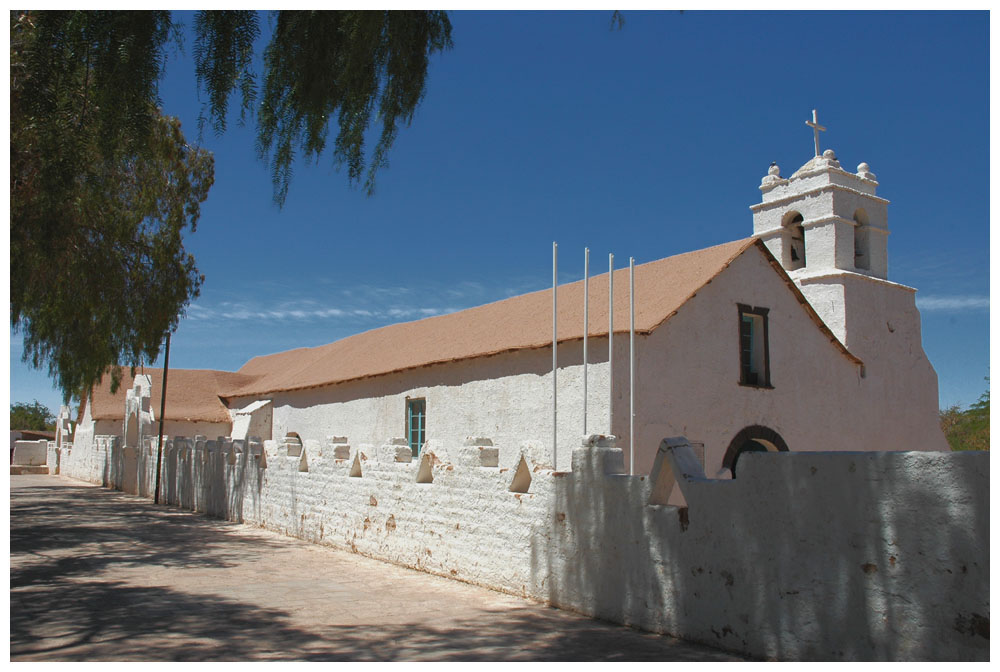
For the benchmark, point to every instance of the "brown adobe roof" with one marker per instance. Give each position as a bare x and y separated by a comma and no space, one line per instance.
518,323
34,434
192,394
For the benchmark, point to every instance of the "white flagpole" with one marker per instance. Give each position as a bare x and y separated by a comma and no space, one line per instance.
631,366
555,254
586,324
611,342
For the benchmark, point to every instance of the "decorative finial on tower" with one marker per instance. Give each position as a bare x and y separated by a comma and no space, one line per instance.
772,178
816,129
865,171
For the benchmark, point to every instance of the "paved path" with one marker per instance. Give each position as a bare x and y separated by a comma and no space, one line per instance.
98,575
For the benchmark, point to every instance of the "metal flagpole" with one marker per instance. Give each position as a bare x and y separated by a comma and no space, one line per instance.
631,367
163,406
611,342
555,392
586,324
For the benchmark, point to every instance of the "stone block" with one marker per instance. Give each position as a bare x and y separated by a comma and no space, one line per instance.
53,454
439,448
676,463
599,440
292,446
30,453
479,456
536,455
595,461
394,454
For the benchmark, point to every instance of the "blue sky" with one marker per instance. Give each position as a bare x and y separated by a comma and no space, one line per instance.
644,142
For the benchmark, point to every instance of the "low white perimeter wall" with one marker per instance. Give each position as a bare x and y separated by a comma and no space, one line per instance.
30,453
856,556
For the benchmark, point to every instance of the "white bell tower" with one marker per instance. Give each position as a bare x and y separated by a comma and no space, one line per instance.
823,217
829,231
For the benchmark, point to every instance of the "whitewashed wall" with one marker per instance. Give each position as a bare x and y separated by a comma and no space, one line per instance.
805,556
819,399
506,397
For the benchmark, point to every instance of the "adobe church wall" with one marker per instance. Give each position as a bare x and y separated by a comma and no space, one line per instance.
688,374
507,397
803,556
898,374
830,556
687,382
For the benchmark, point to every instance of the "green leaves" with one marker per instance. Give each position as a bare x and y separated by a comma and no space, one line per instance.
103,184
968,429
32,416
99,196
223,55
320,67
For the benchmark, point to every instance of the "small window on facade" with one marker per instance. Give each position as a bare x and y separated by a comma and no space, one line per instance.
755,366
416,424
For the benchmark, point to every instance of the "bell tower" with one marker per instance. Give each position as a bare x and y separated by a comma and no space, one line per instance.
823,218
828,230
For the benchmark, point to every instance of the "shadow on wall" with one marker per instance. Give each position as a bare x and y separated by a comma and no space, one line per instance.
208,476
828,556
65,614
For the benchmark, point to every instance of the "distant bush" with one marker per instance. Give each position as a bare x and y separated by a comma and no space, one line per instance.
968,429
31,416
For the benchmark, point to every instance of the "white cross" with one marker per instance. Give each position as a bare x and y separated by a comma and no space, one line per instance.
816,129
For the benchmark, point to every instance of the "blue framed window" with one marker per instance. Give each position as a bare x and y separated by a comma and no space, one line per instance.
416,424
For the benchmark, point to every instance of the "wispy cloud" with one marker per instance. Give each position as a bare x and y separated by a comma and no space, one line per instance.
953,303
353,308
242,313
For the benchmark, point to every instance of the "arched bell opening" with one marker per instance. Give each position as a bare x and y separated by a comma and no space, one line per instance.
793,240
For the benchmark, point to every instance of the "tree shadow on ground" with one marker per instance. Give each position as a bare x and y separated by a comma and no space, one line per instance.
68,603
95,620
62,531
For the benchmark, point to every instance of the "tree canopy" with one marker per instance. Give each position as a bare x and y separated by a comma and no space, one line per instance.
968,429
104,184
320,66
32,416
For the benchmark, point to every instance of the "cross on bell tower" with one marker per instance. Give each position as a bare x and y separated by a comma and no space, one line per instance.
816,129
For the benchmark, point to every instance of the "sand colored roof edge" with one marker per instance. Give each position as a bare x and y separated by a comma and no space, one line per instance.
192,394
519,323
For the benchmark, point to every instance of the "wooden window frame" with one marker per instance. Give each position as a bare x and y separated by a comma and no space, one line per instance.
744,309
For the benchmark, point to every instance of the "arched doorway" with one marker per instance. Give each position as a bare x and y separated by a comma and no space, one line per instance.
752,439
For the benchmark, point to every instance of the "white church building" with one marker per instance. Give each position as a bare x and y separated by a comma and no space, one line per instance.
791,493
793,339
